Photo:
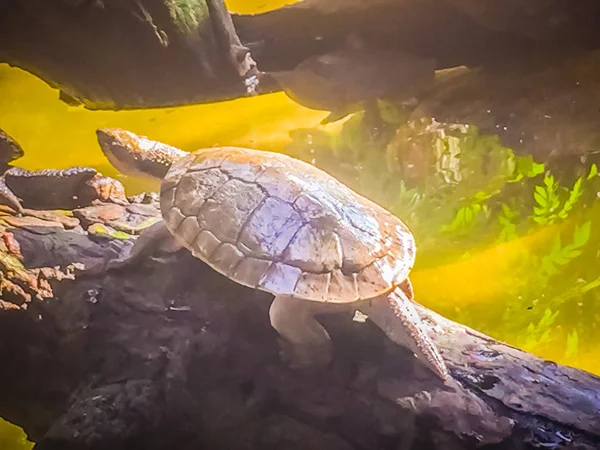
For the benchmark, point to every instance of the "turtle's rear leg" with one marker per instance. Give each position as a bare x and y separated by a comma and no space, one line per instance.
304,341
155,237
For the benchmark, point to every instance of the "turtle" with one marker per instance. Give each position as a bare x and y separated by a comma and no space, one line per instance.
51,188
278,224
354,77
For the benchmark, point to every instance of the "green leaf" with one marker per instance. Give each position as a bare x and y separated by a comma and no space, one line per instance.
572,344
526,167
548,318
569,255
593,172
591,285
536,169
581,235
540,198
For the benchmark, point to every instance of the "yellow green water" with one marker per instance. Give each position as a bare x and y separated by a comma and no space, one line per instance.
506,263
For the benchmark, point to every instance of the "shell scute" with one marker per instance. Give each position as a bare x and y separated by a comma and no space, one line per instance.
188,230
314,249
250,271
270,229
226,256
269,178
342,288
205,244
313,286
195,187
173,218
228,209
280,278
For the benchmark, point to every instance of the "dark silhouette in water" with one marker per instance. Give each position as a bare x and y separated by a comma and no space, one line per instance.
353,78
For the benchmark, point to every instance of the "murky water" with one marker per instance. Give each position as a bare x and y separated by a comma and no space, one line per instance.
506,245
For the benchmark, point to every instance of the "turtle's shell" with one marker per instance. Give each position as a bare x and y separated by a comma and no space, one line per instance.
275,223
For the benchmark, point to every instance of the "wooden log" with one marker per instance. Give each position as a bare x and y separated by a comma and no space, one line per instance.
114,54
117,54
170,354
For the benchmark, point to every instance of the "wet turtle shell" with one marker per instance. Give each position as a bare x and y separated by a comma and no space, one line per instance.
275,223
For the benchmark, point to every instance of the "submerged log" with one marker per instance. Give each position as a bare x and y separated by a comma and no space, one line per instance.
170,354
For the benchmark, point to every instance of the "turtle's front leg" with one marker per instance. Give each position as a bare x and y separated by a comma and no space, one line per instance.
155,237
304,341
395,314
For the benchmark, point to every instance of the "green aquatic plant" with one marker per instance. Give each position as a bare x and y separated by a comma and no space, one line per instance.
540,332
548,196
561,255
526,167
467,216
507,219
189,15
572,344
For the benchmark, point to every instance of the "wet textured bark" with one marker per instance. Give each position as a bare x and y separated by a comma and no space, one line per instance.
169,354
126,53
141,53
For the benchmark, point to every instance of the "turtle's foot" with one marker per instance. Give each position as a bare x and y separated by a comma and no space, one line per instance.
155,237
298,356
121,260
304,343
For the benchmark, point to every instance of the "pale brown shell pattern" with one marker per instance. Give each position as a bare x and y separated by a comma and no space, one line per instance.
275,223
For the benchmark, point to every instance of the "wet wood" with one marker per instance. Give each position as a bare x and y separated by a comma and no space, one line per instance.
169,354
109,54
116,54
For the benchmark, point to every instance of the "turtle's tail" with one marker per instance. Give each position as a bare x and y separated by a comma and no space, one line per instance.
419,340
399,320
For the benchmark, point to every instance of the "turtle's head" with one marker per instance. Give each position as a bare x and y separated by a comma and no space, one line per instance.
136,155
9,149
